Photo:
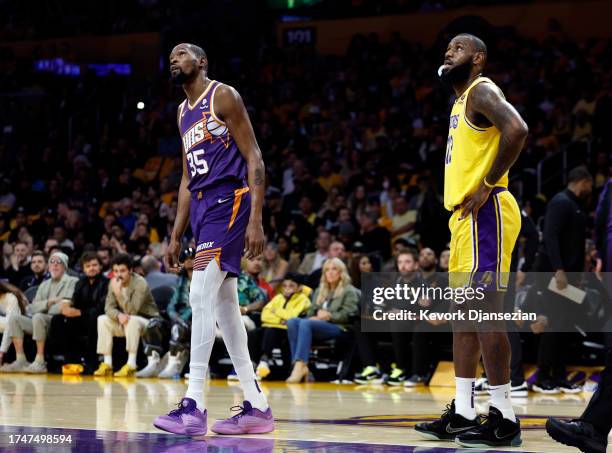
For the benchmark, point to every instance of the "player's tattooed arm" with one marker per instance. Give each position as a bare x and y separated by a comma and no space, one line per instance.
230,108
486,100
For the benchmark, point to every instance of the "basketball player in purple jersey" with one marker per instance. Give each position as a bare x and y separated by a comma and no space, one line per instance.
221,192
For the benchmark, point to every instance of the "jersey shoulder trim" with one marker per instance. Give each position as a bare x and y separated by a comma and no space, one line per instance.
476,82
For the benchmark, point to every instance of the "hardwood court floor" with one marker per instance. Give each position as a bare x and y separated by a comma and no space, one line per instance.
115,415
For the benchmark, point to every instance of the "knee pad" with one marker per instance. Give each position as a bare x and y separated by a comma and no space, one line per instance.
155,335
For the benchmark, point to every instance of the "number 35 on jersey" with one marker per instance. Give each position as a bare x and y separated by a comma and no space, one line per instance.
197,163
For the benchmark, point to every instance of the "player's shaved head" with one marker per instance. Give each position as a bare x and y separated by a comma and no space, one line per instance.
197,51
477,44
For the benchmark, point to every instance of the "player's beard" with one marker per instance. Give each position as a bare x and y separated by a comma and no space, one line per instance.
457,75
180,78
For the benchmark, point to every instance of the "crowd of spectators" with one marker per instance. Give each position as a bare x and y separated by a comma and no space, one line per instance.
353,146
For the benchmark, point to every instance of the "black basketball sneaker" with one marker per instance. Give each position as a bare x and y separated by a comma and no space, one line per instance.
577,433
448,426
494,431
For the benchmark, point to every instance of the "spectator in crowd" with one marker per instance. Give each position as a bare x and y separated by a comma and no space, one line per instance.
314,260
52,296
561,255
407,267
403,220
157,332
251,296
429,336
250,278
290,303
76,327
19,264
51,245
105,254
443,261
129,306
363,264
153,274
12,302
336,250
179,312
335,301
374,238
274,266
38,265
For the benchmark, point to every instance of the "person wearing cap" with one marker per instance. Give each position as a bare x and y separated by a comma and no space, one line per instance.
51,297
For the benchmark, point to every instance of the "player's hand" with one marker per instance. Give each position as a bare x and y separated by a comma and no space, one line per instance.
171,260
561,278
472,203
254,240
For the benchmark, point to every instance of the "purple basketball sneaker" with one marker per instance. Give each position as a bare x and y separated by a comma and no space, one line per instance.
248,421
187,419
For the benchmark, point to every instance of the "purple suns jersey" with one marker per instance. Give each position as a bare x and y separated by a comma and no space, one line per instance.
212,154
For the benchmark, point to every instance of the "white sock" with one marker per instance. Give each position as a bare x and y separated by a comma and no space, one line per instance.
203,292
108,359
502,400
40,358
172,359
21,356
132,360
464,397
234,333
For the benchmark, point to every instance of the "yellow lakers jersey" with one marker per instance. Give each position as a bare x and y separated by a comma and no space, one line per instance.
470,152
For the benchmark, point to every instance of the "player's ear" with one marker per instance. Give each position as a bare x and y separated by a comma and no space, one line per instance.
204,63
478,59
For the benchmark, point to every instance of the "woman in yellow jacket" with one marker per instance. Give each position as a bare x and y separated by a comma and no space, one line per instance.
291,303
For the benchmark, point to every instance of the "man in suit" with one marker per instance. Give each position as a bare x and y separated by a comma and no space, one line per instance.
52,296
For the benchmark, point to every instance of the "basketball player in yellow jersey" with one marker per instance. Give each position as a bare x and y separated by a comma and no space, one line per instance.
486,135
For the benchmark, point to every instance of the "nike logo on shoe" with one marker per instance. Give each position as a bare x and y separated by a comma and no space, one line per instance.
451,430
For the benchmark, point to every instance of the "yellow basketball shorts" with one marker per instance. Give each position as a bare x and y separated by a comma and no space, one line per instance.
481,245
